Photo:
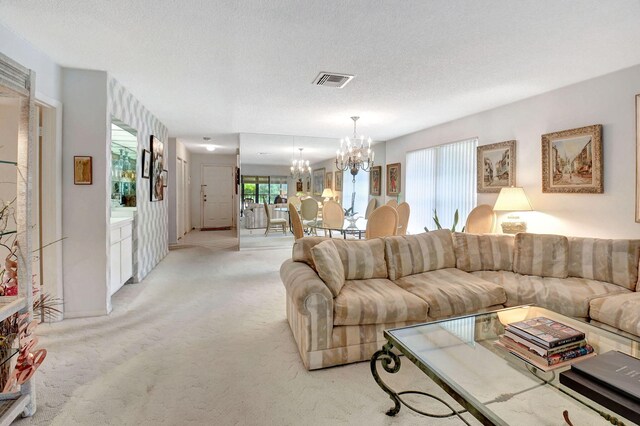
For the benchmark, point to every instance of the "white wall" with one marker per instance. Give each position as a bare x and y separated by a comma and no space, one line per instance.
176,149
608,100
85,216
197,160
48,73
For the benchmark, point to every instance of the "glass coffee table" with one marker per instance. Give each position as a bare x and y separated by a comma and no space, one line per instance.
497,388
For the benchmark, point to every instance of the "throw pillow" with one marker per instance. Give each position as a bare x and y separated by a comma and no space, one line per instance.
483,252
414,254
328,265
362,259
541,255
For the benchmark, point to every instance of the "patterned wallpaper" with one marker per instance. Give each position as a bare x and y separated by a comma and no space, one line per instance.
150,238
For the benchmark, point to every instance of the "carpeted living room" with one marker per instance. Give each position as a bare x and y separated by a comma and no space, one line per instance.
319,212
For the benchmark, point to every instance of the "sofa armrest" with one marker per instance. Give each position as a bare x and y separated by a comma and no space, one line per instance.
311,299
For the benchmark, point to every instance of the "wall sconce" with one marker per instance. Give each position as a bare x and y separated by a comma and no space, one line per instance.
513,199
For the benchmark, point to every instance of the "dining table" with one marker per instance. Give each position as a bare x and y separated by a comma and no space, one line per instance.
350,226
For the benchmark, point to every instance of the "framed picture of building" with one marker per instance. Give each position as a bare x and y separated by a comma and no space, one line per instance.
393,179
82,170
496,166
318,181
572,160
375,180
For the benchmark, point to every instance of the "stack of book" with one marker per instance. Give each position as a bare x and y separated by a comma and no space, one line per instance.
545,343
612,380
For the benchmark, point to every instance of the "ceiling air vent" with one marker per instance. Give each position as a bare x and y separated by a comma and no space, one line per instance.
332,79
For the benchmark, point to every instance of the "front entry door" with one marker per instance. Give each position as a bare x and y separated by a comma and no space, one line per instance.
217,196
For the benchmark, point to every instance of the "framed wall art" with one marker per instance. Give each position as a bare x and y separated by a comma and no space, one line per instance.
82,170
299,186
318,181
338,181
375,180
308,184
157,166
496,166
393,179
146,163
572,161
328,180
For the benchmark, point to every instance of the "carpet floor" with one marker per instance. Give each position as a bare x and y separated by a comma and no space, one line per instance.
204,340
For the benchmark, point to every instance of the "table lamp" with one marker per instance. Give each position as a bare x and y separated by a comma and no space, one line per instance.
512,199
327,194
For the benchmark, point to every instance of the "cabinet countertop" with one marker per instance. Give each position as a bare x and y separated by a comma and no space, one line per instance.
118,222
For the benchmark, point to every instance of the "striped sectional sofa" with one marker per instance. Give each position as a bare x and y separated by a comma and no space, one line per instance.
341,294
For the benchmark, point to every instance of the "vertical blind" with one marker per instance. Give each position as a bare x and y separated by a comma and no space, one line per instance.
442,178
361,190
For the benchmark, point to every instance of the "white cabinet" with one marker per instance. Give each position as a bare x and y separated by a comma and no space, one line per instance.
121,263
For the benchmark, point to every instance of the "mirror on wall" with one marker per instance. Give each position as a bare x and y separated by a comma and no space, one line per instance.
124,161
265,176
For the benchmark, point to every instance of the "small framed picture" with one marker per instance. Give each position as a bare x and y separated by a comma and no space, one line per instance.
299,186
146,164
165,178
338,181
328,181
375,178
393,179
82,170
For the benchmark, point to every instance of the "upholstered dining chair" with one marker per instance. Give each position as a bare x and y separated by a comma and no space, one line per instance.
392,203
403,217
295,200
296,222
481,220
278,221
383,222
370,207
308,211
332,216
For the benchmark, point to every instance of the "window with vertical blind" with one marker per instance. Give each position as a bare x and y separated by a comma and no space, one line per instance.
360,189
442,178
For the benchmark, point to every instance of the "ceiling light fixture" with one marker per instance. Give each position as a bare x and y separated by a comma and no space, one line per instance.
355,154
300,168
210,148
207,145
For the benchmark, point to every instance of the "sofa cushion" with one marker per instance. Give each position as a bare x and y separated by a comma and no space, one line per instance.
567,296
451,291
302,249
328,265
621,311
413,254
376,301
483,252
613,261
362,259
542,255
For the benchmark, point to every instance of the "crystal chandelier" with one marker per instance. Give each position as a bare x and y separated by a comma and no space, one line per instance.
355,154
300,168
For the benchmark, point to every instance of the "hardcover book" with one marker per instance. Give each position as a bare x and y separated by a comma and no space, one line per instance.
545,332
619,371
603,395
544,351
534,360
546,360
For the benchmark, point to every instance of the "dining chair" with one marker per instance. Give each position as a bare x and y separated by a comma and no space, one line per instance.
308,211
392,203
403,217
279,221
370,207
296,222
481,220
295,200
332,216
383,222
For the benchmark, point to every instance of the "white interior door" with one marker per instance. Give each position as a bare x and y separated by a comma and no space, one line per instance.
217,196
186,210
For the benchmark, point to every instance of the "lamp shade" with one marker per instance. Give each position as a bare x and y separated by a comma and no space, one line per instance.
327,193
512,199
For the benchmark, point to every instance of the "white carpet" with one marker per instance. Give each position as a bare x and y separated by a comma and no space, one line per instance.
204,341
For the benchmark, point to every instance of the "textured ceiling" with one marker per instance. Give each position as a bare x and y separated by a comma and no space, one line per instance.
279,149
223,67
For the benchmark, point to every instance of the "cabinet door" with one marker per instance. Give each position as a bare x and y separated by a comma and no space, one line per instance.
114,283
126,260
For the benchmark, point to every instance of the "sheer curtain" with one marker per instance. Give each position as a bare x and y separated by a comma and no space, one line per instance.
361,189
441,178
